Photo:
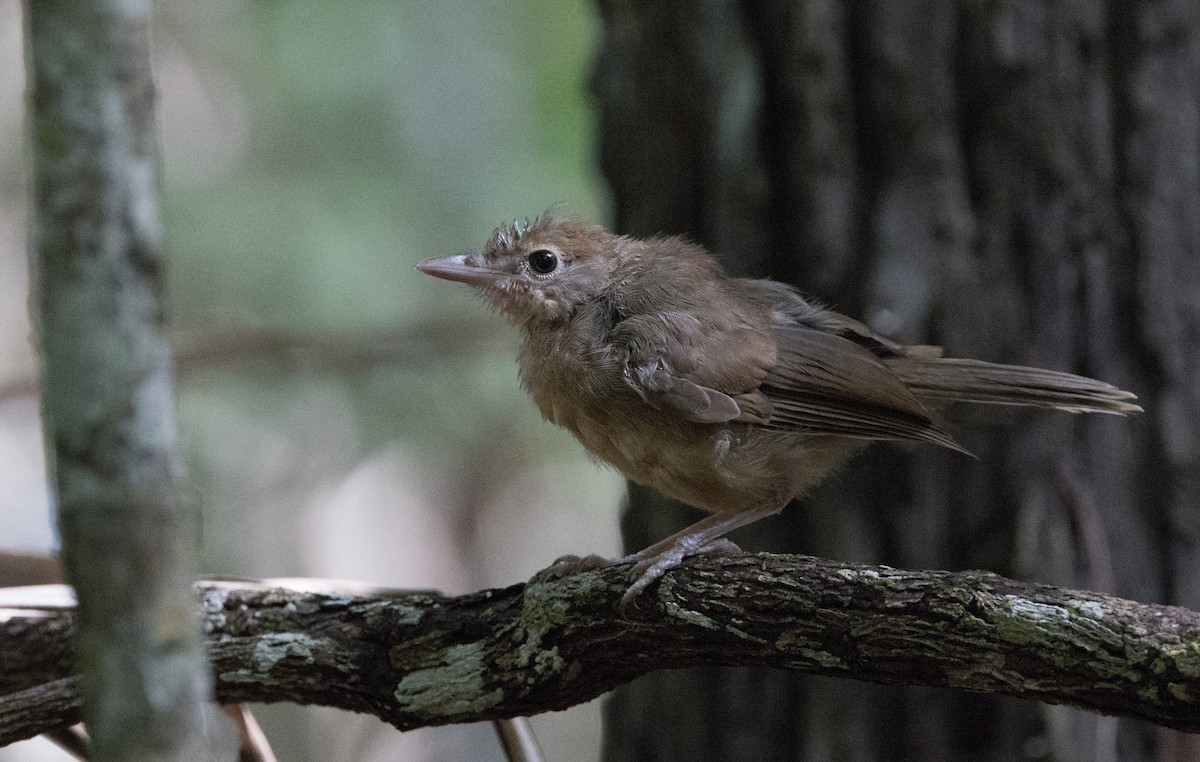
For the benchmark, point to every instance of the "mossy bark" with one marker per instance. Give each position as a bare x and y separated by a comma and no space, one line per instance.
418,659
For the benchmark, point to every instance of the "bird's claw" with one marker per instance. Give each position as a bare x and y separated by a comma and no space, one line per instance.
648,569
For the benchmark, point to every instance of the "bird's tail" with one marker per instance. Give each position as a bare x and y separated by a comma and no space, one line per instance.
935,379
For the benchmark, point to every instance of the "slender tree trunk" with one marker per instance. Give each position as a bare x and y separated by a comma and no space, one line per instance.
127,534
1014,181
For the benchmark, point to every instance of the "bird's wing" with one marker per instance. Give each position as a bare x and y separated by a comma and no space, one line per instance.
831,376
791,366
827,384
789,306
702,373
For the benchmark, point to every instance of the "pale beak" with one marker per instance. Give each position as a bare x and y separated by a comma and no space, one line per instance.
457,268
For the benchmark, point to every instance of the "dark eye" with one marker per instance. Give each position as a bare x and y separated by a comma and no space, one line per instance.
543,262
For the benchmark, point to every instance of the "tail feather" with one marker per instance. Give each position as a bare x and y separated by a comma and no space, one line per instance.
945,380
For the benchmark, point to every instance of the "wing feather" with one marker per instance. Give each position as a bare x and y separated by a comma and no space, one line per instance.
676,363
824,383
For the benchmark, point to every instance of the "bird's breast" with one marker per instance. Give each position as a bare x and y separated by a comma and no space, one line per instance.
708,466
567,377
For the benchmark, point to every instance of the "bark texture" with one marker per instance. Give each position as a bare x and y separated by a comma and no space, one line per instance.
108,409
418,659
1014,181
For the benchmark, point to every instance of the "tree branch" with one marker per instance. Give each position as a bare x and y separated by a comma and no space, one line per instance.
39,709
416,659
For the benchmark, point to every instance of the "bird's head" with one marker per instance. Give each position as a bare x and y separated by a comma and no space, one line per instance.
539,271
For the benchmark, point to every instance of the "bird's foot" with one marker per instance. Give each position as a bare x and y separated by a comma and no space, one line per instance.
566,565
650,567
648,564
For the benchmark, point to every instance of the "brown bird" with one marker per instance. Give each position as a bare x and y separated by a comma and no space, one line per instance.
732,395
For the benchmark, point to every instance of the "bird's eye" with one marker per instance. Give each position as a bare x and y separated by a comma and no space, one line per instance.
543,262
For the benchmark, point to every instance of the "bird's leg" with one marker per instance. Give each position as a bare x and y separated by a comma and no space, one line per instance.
705,536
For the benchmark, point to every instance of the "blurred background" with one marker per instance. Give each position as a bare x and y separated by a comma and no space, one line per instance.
344,415
1014,181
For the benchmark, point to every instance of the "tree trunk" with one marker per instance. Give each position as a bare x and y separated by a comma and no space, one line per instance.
1014,181
109,418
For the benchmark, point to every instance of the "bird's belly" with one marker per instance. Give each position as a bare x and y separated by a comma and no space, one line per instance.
711,467
702,465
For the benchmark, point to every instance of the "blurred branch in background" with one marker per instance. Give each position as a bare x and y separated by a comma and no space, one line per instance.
197,352
419,659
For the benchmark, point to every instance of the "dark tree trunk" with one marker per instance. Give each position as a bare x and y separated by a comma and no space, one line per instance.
1016,181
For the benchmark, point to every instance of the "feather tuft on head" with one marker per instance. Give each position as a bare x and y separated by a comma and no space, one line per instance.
508,234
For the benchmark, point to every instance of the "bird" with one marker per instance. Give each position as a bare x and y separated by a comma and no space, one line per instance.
732,395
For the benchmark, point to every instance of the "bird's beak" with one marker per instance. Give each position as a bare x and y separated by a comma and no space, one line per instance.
456,267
